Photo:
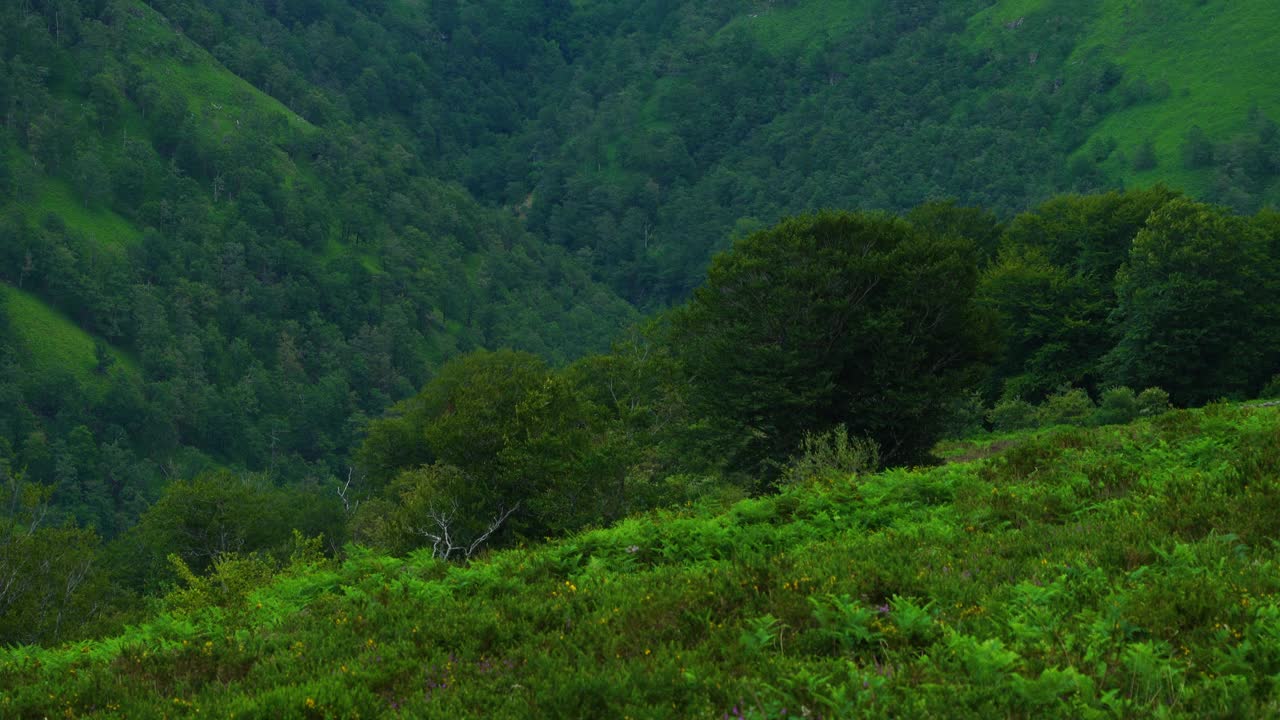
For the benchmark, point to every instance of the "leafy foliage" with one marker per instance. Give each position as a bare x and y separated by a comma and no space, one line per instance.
1120,289
51,585
1012,415
1196,305
226,283
498,446
1124,571
1068,406
231,233
202,521
833,318
829,456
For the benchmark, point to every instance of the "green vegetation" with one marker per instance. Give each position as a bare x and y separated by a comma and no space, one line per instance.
1191,65
1114,572
829,343
55,198
642,137
244,267
49,343
799,26
1142,288
306,210
1215,79
829,319
325,390
853,338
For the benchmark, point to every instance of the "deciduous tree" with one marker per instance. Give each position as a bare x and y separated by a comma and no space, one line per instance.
832,318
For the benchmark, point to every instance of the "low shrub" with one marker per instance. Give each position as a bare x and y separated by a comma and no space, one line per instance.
1012,415
1153,401
1117,406
1067,406
831,455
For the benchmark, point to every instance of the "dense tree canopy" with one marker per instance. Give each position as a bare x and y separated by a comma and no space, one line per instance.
248,287
639,135
853,318
497,436
1053,286
1197,306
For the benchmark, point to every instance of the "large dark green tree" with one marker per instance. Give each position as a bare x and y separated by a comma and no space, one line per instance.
1197,308
1087,235
947,217
1052,324
500,446
853,318
217,514
1052,288
496,439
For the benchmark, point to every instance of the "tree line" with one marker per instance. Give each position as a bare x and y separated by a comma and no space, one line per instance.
863,336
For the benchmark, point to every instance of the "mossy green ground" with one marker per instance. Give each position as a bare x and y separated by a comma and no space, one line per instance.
1128,571
48,341
54,197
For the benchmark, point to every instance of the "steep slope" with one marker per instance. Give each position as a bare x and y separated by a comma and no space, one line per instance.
48,344
1119,571
1204,65
642,136
275,282
273,220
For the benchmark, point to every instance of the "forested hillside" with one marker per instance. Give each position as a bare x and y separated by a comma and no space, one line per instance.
197,276
248,206
461,275
641,135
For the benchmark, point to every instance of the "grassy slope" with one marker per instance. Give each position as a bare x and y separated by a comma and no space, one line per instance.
48,340
1218,58
54,197
221,99
211,90
1125,571
223,103
801,26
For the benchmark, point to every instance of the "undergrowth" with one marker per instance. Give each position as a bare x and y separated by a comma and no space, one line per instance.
1123,571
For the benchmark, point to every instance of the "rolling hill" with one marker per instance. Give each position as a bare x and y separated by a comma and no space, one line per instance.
1120,571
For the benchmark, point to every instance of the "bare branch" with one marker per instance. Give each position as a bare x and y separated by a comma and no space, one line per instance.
493,526
443,545
347,506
